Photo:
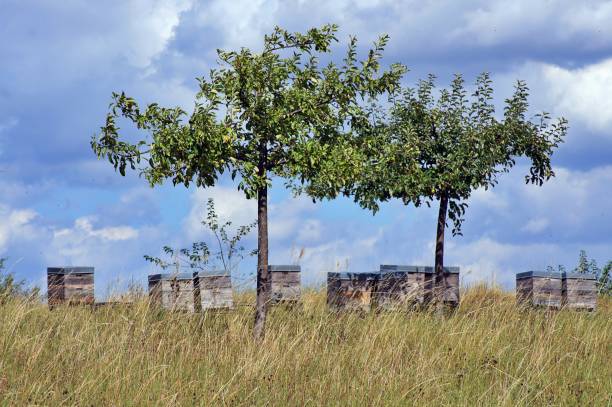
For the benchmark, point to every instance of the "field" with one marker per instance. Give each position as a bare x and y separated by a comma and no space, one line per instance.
486,353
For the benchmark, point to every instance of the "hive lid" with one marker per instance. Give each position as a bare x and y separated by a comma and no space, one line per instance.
170,276
538,273
374,275
211,273
580,276
70,270
284,267
386,268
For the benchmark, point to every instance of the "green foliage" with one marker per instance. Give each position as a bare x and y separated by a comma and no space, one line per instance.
603,275
585,265
605,279
9,287
199,257
431,144
274,112
461,145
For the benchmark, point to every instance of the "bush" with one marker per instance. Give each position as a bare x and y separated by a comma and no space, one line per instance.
10,287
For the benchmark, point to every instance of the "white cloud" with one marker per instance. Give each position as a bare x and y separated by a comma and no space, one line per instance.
472,23
579,94
536,225
497,22
84,225
15,224
150,26
582,94
230,205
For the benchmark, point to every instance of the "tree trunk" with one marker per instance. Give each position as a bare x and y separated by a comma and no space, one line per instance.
263,283
440,278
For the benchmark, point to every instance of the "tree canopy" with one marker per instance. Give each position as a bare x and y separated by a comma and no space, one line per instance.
281,97
277,112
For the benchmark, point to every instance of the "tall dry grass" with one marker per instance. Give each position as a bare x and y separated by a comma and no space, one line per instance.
487,353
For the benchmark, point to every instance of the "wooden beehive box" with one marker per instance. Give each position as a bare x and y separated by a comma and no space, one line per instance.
212,290
579,291
351,291
70,285
404,286
539,288
451,289
173,292
285,283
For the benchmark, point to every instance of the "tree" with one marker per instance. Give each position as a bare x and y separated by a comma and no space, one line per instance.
603,275
228,254
429,147
604,280
261,114
463,146
11,288
585,265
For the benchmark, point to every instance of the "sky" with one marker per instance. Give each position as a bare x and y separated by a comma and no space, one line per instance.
61,206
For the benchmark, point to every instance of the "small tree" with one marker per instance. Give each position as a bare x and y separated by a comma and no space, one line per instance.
200,257
603,275
585,265
11,288
262,114
604,280
442,147
463,146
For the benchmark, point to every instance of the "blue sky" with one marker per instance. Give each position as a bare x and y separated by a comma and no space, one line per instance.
61,61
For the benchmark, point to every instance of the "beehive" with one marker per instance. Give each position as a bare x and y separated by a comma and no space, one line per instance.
285,283
403,286
71,285
351,291
212,290
579,291
539,288
172,291
450,292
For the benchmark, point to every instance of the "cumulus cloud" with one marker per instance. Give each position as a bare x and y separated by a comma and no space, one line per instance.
84,226
580,94
500,22
230,205
15,224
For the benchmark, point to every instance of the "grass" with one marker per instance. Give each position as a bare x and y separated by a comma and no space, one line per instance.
486,353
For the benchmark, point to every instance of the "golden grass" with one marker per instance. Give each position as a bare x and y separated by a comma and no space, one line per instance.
487,353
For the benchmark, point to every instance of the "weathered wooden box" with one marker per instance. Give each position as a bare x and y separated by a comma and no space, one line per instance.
172,291
285,283
351,291
579,291
70,285
212,290
451,289
540,289
404,286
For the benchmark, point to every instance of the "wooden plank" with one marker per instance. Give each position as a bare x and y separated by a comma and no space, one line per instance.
286,277
285,286
579,294
524,291
210,282
400,291
216,298
547,292
350,294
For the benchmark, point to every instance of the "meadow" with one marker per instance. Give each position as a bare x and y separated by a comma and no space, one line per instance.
488,352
